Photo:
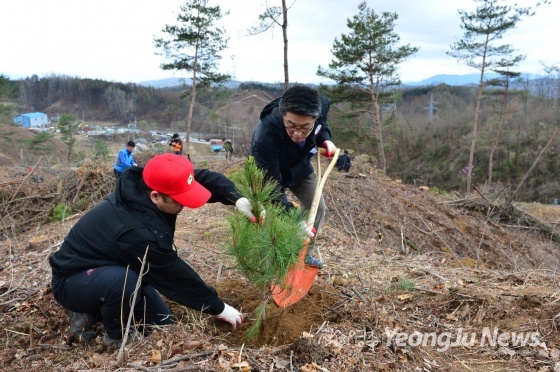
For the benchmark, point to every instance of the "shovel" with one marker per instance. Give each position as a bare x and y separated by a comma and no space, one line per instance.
300,277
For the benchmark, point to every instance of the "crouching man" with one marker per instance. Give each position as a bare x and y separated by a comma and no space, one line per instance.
97,267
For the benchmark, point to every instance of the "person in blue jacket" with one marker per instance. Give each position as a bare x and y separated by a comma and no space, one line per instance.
95,271
124,159
286,137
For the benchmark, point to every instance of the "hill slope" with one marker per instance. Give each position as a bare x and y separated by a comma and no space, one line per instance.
398,260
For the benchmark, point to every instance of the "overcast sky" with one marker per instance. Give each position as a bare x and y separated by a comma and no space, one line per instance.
113,39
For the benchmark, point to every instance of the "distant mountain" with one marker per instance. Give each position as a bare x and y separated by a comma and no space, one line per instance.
163,83
468,79
176,82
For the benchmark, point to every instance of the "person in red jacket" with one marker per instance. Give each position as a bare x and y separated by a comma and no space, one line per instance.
96,269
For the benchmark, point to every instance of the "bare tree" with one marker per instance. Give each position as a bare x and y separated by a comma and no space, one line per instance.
270,18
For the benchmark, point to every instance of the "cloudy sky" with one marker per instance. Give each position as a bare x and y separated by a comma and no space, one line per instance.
113,39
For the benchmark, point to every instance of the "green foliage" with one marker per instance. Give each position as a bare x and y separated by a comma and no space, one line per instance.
406,285
101,150
273,88
369,50
264,252
198,34
260,314
38,141
483,27
8,88
365,65
252,184
61,212
7,112
67,125
437,190
478,49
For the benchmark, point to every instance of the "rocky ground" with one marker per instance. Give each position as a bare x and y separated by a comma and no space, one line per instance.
413,281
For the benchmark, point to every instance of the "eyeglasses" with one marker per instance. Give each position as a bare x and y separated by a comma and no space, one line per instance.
293,129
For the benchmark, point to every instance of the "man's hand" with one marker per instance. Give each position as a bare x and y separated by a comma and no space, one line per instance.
309,231
243,205
330,147
232,316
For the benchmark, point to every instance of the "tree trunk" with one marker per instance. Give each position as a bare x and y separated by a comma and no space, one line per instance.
475,124
379,134
193,100
498,130
285,36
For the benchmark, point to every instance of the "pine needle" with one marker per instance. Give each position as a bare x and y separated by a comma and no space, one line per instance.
264,253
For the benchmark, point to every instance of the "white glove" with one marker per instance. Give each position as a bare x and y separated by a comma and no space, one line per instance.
330,147
309,231
243,205
232,316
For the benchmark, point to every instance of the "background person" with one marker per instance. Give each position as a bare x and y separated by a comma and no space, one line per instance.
284,140
343,162
177,143
228,147
124,159
102,254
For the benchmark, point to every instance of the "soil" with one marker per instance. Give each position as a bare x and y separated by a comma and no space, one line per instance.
399,259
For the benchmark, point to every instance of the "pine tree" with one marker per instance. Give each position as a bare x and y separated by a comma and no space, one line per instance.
264,252
478,49
195,46
67,124
365,62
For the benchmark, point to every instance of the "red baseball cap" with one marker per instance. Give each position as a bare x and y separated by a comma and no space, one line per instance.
173,175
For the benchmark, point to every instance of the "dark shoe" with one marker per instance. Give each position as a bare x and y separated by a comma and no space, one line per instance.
312,261
110,343
81,326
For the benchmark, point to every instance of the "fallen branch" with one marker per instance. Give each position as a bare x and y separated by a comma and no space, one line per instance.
131,313
25,178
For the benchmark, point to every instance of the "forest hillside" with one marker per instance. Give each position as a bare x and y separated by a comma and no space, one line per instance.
426,130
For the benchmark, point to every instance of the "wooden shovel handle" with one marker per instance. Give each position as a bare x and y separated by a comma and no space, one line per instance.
322,179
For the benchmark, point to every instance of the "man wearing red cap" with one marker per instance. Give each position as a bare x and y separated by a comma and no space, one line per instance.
96,269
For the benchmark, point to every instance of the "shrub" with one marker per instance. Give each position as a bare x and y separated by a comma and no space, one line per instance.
61,212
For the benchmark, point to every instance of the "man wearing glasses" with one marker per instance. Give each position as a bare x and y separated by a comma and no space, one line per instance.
285,138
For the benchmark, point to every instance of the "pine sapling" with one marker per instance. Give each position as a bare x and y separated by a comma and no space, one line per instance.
264,251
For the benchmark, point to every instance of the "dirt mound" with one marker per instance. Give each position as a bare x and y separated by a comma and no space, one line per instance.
281,325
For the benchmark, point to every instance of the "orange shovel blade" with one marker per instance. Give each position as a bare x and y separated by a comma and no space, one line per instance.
297,283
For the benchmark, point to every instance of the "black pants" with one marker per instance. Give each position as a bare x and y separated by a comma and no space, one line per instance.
104,292
116,173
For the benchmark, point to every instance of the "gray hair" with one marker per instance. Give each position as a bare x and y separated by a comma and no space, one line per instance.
300,100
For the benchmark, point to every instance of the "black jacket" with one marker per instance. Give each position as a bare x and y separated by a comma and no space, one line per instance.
118,230
343,162
282,158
